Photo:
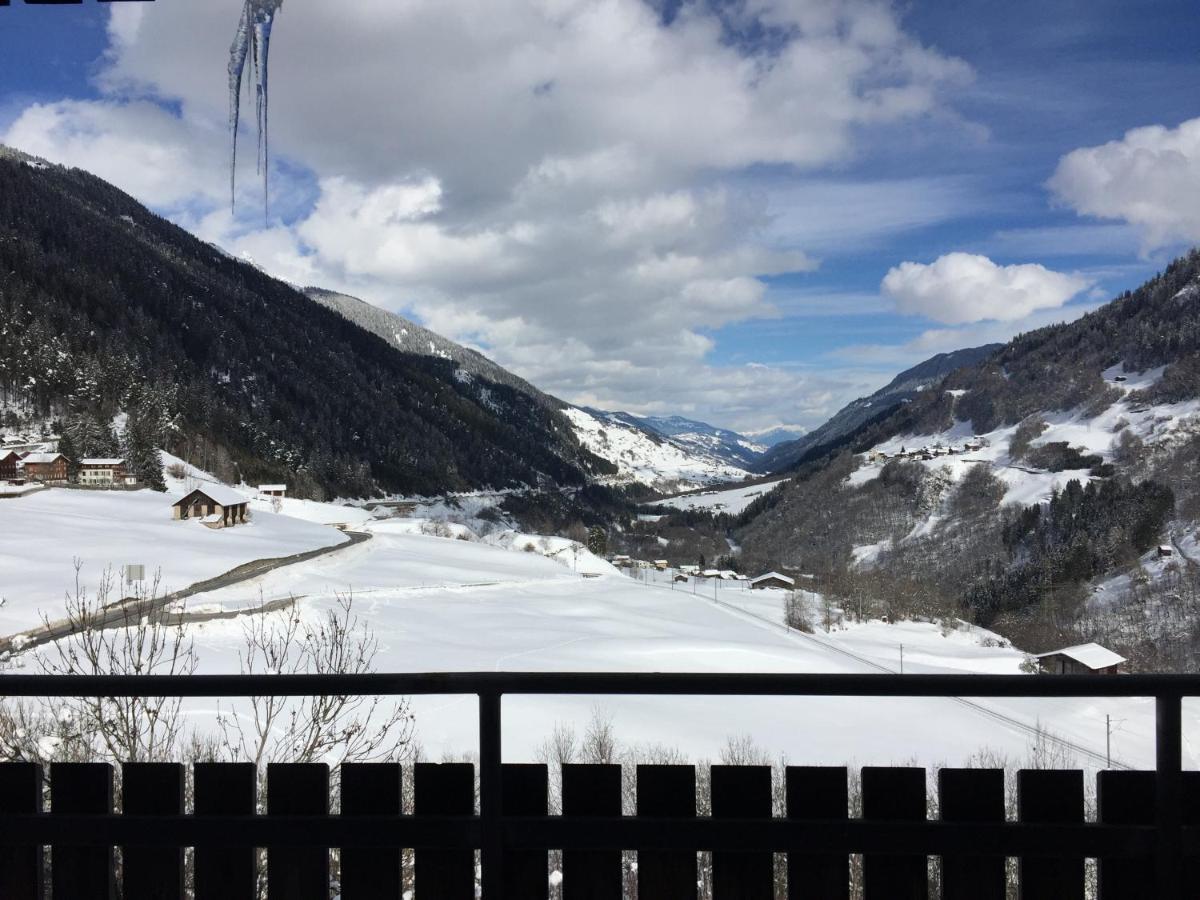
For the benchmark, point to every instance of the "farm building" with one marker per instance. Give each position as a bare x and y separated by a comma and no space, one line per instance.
8,464
93,471
214,504
661,564
772,580
1081,659
272,490
1165,551
44,467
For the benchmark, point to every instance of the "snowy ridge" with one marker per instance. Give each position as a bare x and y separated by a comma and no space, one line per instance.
644,456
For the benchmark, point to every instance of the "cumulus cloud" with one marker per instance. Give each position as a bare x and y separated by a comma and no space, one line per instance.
1150,178
965,287
559,182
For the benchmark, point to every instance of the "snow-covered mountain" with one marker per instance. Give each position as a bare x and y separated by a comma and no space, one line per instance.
646,455
704,439
857,413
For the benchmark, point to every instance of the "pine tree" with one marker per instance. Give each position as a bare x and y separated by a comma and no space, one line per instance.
598,541
141,451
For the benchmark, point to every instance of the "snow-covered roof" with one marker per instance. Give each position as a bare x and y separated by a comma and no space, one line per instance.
102,462
772,575
272,487
218,493
42,457
1091,655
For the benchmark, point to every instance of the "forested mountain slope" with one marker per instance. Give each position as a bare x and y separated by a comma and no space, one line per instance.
853,416
101,300
1031,491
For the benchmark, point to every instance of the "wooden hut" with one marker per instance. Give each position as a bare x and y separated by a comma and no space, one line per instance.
1081,659
214,504
772,580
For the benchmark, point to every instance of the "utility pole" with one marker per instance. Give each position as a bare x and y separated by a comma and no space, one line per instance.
1107,741
901,659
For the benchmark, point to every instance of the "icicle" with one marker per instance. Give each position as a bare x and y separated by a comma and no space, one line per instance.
251,43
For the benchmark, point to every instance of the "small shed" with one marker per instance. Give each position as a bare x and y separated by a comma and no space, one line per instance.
1165,551
661,564
1081,659
680,577
272,490
772,580
45,467
710,573
214,504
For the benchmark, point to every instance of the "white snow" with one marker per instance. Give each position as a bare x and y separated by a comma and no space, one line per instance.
729,500
440,604
640,458
41,535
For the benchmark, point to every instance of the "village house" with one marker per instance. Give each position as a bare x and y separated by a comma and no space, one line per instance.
772,580
272,490
1081,659
48,468
661,564
680,577
214,504
95,472
8,464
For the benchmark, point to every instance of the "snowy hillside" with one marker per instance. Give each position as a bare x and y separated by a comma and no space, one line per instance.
645,456
439,604
731,500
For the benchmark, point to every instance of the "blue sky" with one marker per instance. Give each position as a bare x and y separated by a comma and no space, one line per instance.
749,213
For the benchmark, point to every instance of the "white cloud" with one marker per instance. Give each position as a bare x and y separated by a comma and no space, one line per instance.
964,287
1150,178
562,182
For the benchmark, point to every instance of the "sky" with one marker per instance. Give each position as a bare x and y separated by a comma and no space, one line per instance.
745,212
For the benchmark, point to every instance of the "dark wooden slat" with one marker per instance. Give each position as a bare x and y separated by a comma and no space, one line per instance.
82,873
153,873
591,790
1125,798
371,789
525,792
742,792
818,792
21,867
894,795
445,789
1046,795
225,873
298,789
666,791
972,795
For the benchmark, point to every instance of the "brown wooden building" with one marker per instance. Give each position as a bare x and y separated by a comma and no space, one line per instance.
772,580
1081,659
214,504
8,464
44,467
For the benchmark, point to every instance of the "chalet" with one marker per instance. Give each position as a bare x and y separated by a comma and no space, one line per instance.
214,504
772,580
44,467
621,559
1081,659
681,577
1165,551
728,575
710,573
272,490
690,570
97,471
661,564
8,464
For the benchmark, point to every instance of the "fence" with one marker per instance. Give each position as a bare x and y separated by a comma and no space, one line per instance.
1145,845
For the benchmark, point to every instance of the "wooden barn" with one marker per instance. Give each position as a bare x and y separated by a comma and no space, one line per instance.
8,464
44,467
272,490
1081,659
214,504
772,580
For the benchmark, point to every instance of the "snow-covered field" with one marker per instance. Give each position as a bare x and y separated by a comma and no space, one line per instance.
440,604
732,500
42,534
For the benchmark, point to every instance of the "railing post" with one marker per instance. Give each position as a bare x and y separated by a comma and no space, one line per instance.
490,792
1169,785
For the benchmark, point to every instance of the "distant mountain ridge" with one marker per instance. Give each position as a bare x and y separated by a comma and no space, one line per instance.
901,389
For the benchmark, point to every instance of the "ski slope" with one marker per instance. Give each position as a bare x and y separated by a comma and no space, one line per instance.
440,604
